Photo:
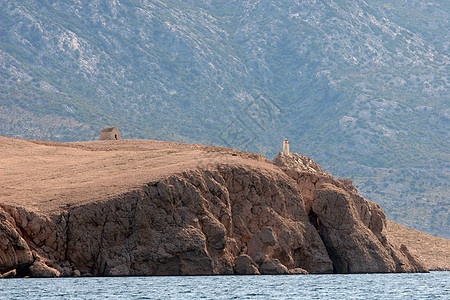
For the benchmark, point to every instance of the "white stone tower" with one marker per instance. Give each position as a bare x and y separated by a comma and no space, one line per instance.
286,147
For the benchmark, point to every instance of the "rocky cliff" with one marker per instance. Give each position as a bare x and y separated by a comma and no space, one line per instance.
213,211
352,228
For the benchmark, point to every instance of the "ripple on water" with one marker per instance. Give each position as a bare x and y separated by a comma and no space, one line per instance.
434,285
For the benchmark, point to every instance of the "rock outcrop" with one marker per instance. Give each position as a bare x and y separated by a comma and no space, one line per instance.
41,269
244,265
351,227
15,253
244,216
197,223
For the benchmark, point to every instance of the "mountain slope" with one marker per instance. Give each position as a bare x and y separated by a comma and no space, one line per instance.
351,83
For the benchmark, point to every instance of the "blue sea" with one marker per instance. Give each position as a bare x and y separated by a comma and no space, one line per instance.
434,285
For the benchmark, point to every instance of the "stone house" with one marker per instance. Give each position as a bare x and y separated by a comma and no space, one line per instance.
110,133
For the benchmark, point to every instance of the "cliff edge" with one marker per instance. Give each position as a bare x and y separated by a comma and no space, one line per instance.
132,207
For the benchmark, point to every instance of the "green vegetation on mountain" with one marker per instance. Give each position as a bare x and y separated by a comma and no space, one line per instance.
361,87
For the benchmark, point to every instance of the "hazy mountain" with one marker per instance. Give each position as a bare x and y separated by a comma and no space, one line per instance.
360,86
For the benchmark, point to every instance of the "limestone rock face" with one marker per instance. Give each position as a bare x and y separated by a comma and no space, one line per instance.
14,251
273,267
351,245
298,271
352,228
209,221
41,270
244,265
9,274
220,219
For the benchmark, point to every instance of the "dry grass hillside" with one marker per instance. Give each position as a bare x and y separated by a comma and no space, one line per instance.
46,177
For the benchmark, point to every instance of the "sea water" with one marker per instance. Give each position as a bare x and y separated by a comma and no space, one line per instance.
434,285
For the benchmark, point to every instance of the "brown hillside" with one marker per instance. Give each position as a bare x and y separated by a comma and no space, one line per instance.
45,176
142,207
433,251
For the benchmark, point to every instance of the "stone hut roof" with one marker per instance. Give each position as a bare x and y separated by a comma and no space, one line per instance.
108,129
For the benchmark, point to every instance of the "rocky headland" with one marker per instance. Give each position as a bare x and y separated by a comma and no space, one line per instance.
140,207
